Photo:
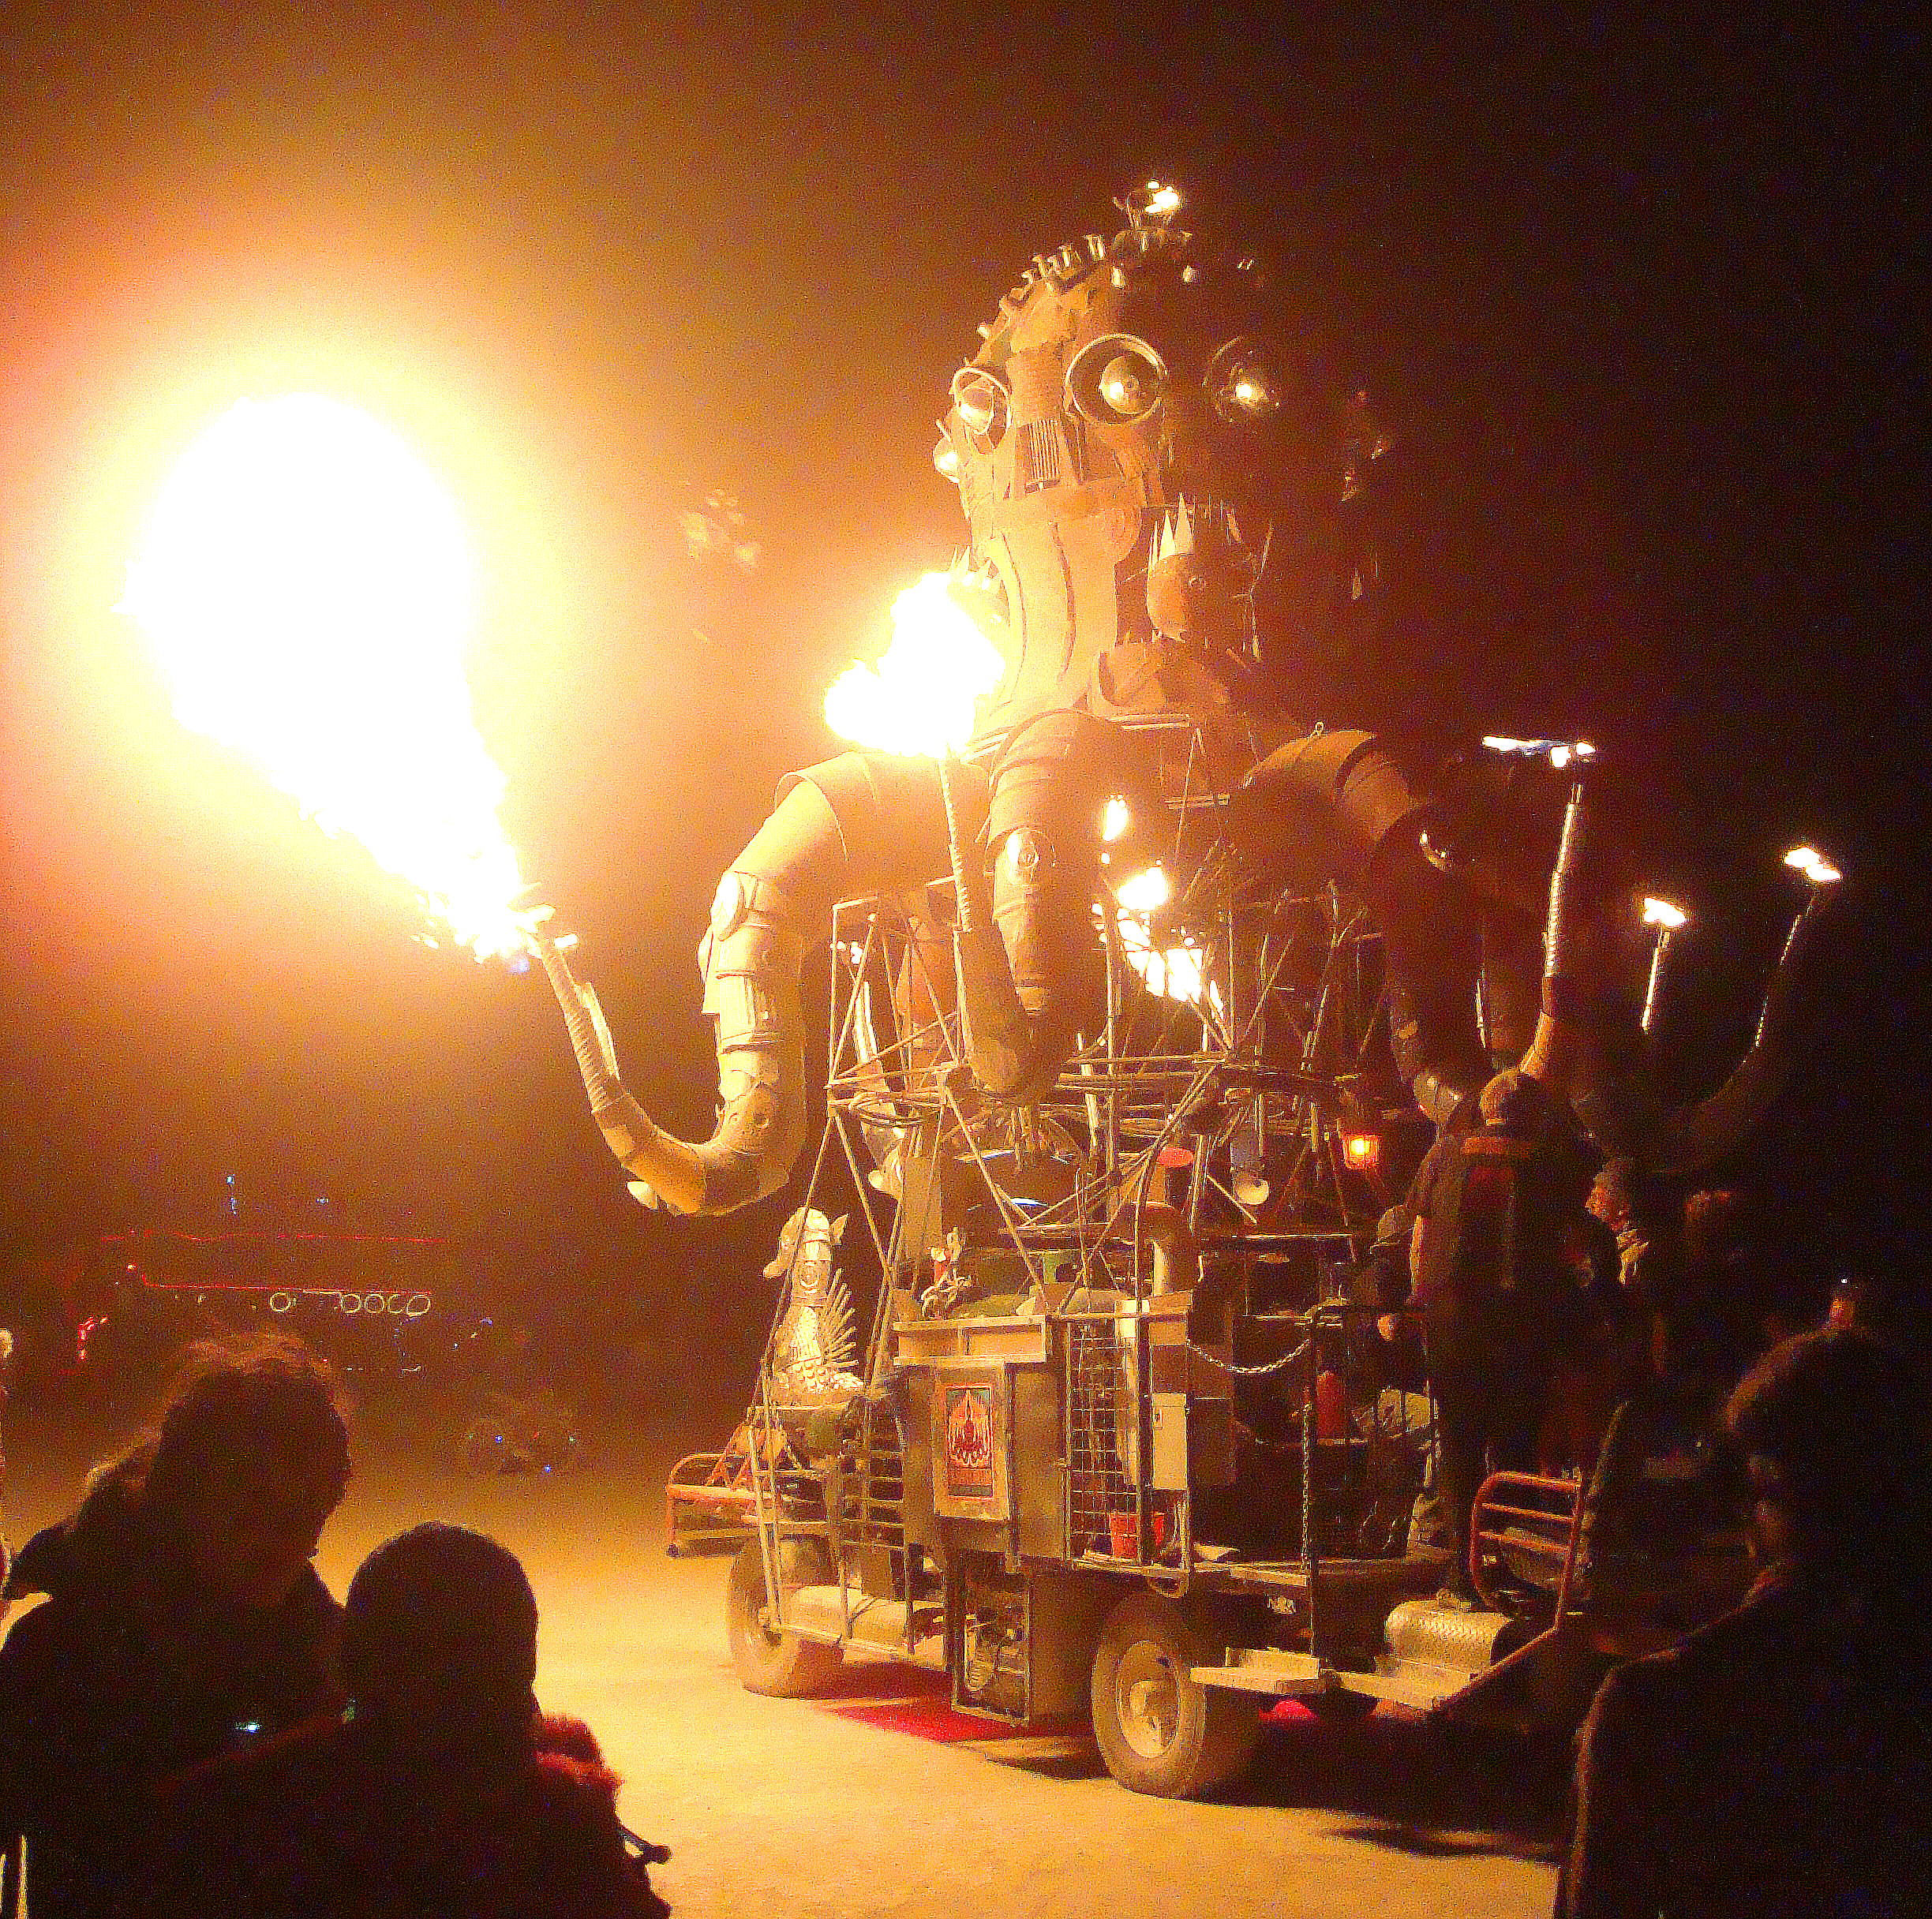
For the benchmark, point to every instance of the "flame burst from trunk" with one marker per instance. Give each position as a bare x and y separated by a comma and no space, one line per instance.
307,587
921,697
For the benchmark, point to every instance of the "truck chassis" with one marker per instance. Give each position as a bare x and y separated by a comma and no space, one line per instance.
1116,1447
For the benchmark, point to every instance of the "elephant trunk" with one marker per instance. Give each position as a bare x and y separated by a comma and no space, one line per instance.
863,822
1023,954
1509,991
1357,791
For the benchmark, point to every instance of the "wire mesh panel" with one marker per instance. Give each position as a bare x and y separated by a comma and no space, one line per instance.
872,1482
1098,1491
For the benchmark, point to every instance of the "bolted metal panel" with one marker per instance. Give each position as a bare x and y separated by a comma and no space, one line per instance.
1170,1447
915,1386
1039,1462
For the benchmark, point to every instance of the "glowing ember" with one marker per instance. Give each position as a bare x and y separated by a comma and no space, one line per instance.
1173,973
1176,972
308,587
921,697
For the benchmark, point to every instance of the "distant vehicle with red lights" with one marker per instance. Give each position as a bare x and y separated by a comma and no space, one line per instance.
374,1302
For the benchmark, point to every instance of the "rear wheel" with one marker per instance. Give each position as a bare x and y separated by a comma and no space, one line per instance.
1160,1730
779,1664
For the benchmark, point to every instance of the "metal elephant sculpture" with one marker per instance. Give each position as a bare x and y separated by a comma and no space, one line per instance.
1162,498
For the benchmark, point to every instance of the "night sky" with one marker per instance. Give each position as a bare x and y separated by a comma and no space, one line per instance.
1646,311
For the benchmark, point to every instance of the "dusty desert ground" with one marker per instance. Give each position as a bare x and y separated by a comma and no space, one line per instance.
880,1799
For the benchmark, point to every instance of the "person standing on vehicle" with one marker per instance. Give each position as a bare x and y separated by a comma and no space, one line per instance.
1499,1301
1779,1762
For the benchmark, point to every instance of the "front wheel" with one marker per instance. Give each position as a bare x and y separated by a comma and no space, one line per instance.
780,1665
1160,1730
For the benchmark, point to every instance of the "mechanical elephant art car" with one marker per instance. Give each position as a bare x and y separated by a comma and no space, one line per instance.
1146,999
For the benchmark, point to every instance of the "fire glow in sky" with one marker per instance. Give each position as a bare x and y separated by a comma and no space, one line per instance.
307,587
921,697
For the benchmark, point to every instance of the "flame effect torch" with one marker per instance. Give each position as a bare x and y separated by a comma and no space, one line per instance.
1666,918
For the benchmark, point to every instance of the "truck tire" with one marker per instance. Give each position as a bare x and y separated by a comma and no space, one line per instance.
778,1664
1160,1730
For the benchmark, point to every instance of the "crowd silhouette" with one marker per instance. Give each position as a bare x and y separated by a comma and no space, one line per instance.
191,1723
1779,1761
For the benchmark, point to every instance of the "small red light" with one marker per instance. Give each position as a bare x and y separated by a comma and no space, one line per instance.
1362,1150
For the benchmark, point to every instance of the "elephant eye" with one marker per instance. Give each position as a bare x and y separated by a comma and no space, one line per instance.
1115,380
1128,386
1244,382
980,398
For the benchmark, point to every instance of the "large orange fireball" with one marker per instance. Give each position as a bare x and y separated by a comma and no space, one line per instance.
922,696
309,589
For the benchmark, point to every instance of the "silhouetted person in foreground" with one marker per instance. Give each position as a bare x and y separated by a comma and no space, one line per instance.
1779,1761
441,1790
183,1619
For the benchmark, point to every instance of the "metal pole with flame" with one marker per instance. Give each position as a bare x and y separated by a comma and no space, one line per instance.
1666,918
1820,876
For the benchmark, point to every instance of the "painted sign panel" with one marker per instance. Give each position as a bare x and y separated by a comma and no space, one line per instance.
968,1417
